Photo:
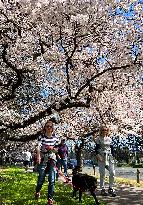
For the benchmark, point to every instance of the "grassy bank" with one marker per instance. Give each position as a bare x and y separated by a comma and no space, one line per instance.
17,188
129,182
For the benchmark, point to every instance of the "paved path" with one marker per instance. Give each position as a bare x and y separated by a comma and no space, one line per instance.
122,172
126,194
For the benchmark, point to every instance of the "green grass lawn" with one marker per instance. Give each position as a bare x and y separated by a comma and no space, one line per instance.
18,187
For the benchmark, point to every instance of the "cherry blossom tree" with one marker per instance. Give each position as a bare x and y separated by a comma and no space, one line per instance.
81,60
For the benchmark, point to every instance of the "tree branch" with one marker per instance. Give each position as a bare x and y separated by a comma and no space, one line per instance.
97,75
41,115
18,74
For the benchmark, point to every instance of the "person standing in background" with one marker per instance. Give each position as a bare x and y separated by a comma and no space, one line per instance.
63,157
26,159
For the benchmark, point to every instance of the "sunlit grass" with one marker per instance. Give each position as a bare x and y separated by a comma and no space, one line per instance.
18,188
129,182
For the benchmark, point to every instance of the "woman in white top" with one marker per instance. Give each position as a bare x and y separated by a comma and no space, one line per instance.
105,156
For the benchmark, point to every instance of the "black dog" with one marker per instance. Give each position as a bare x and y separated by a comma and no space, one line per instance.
83,182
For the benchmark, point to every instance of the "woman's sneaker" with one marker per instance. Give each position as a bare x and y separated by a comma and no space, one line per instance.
112,192
103,192
37,195
50,201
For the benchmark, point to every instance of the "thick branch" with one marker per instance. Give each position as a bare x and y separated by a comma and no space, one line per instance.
68,63
23,138
11,21
41,115
97,75
18,74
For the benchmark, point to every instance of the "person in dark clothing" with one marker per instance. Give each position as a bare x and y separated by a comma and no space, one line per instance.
63,156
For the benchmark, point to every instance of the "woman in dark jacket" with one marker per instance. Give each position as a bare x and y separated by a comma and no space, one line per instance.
63,156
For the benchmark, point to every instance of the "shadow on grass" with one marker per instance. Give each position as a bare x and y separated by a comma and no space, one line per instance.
64,193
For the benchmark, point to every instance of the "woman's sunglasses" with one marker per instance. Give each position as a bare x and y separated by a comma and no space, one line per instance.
49,126
105,129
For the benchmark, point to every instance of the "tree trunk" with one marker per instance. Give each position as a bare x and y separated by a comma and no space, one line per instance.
79,156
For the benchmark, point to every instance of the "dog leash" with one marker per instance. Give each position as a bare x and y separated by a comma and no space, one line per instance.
67,180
